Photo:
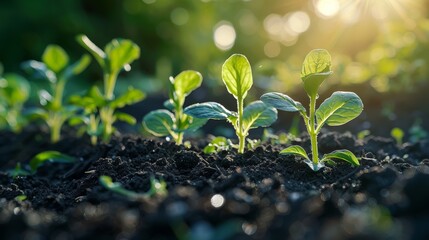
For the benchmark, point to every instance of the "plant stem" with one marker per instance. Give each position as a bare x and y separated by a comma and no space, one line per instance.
58,94
106,116
313,133
93,129
239,131
109,85
179,123
55,126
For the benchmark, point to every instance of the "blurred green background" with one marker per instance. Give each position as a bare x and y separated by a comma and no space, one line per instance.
380,48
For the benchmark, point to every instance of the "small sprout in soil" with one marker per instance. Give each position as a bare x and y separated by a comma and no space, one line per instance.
398,135
56,69
39,160
281,138
162,122
49,156
237,77
21,198
363,134
417,133
14,92
337,110
18,171
117,55
218,144
157,188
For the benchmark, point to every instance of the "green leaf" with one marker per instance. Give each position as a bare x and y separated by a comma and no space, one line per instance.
116,187
282,102
36,113
125,118
16,89
186,82
195,123
397,134
39,70
209,110
120,53
159,122
315,69
237,75
169,104
344,155
96,52
55,58
130,97
51,156
258,114
78,66
339,108
18,171
295,150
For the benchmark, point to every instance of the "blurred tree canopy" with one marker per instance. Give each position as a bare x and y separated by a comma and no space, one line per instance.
383,41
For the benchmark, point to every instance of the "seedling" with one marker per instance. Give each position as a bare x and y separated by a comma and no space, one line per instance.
217,144
117,55
56,69
363,134
39,160
162,122
237,77
14,92
157,188
338,109
398,135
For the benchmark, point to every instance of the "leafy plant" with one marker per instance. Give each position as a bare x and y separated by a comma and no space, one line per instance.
157,188
56,69
39,160
338,109
237,77
117,55
14,92
397,134
217,144
363,134
162,122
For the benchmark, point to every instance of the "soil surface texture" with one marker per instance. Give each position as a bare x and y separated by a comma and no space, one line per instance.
257,195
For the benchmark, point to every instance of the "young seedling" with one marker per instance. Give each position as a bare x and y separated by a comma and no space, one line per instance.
157,188
14,92
337,110
56,69
237,77
162,122
398,135
117,55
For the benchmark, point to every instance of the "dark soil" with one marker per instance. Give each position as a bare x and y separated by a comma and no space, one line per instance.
266,195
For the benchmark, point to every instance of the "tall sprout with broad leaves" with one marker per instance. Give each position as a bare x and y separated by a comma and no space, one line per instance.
57,70
338,109
173,121
237,77
117,55
14,92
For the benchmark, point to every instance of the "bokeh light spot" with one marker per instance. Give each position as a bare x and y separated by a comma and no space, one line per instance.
298,22
179,16
272,49
217,200
224,35
327,8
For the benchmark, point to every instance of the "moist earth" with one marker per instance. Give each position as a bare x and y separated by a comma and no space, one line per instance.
257,195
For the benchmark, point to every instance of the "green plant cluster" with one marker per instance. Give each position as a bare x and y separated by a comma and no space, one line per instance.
96,111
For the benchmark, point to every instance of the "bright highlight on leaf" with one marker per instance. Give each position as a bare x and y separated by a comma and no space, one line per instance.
237,76
295,150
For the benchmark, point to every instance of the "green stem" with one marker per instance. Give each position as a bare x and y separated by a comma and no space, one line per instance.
55,126
58,94
106,116
178,114
313,133
109,85
240,132
93,128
